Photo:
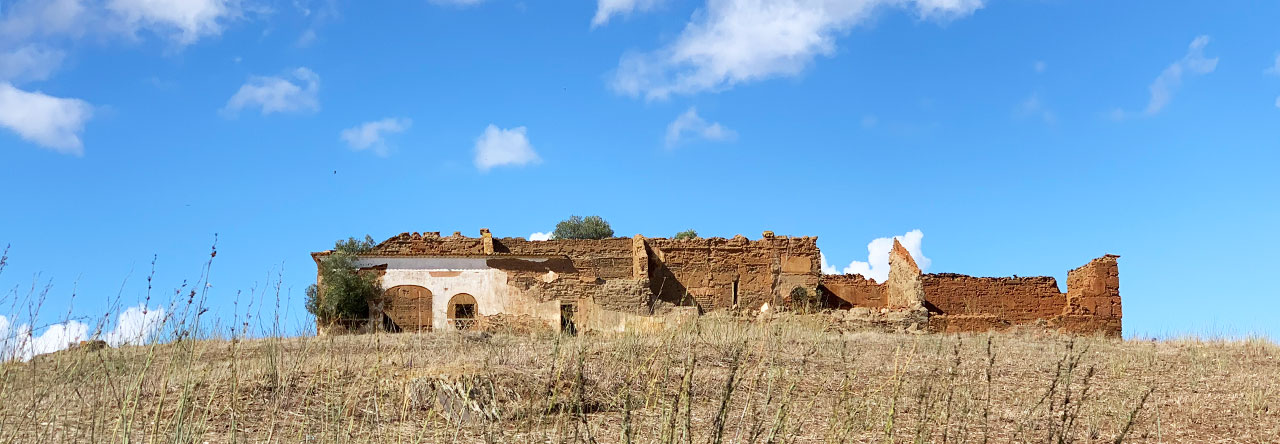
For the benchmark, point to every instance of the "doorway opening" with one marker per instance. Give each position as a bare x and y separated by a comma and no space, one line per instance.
567,312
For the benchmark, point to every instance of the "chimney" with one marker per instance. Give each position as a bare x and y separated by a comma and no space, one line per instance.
486,239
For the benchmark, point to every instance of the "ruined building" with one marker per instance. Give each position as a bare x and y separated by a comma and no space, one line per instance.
459,282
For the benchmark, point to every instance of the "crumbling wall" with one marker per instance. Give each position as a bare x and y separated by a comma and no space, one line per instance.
717,273
965,303
1094,289
1093,297
429,244
853,290
904,286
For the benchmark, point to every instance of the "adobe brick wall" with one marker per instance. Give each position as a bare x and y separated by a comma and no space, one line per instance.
960,303
1014,299
854,290
1094,289
706,270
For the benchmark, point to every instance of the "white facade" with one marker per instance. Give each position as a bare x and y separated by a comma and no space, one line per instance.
446,277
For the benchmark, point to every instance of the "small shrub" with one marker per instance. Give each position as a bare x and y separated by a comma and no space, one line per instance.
687,234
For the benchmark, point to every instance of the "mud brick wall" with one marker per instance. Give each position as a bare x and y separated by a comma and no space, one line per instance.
594,258
429,243
707,270
1014,299
854,290
1094,289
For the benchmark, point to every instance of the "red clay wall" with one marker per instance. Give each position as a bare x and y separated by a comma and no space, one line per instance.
707,269
1015,299
854,290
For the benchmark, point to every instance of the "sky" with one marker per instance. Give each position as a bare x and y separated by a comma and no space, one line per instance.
994,137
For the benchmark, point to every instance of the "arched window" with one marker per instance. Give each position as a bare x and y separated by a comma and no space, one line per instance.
409,307
462,311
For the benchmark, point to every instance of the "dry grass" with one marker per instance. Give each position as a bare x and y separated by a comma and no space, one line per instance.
719,380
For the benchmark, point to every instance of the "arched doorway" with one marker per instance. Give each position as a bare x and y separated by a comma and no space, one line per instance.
409,307
462,311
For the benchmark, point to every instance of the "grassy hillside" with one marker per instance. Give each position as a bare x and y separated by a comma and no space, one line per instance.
719,380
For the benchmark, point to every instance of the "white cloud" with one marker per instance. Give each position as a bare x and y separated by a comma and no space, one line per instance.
498,147
186,20
29,62
1275,68
1167,83
183,21
826,268
373,134
278,94
135,325
605,9
692,124
730,42
540,236
1033,107
877,264
52,122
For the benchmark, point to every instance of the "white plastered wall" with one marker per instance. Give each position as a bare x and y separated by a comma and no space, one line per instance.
447,277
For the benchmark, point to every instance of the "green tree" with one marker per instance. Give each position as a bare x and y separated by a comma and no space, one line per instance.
687,234
590,227
344,292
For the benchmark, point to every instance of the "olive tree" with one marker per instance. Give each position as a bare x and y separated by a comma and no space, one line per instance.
343,291
576,227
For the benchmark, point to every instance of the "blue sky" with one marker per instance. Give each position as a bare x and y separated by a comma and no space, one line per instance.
1019,137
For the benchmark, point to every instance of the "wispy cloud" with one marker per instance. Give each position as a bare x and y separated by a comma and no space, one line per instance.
691,124
500,147
877,264
181,21
606,9
731,42
1165,85
29,63
52,122
540,236
373,135
1033,107
300,93
1040,66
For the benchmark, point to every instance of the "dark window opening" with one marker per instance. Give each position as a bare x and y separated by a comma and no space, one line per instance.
464,316
567,325
735,292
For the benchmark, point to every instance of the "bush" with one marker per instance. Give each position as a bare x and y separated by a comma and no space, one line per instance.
687,234
576,227
344,292
804,302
